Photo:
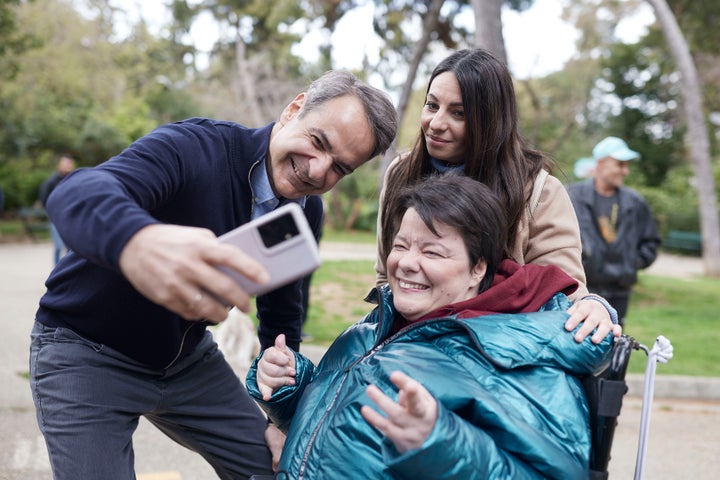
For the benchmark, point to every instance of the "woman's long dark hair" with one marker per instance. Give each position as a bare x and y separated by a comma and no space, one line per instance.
465,205
496,155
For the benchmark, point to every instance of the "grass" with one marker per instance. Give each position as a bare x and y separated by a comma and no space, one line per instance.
684,311
348,236
337,291
11,227
13,231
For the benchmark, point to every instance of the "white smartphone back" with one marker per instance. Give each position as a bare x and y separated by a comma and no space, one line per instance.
281,241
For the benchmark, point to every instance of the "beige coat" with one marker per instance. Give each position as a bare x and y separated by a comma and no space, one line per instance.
549,235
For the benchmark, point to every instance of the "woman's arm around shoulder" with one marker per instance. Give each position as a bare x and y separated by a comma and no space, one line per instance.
553,234
553,238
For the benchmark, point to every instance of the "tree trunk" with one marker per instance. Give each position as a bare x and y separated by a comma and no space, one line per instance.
334,215
352,217
488,27
247,83
697,138
429,25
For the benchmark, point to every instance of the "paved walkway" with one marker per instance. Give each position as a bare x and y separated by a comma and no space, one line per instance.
684,433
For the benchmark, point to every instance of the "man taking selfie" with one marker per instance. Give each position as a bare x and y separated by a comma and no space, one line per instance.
121,331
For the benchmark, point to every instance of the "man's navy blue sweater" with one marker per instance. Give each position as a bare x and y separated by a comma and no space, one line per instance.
193,173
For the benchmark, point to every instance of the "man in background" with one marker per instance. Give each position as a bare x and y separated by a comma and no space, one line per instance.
65,165
619,234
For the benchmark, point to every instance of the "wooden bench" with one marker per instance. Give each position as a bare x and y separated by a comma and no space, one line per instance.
35,222
687,242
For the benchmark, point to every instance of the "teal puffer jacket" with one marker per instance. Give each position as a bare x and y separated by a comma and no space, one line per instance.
510,403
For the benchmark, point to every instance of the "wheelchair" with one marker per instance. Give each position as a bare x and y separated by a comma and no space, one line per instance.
605,391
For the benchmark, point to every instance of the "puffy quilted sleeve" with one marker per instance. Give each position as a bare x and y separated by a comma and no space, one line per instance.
458,449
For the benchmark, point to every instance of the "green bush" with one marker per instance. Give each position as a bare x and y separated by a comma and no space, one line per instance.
21,181
675,203
355,198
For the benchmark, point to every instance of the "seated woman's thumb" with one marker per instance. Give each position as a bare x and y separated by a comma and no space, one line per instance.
280,343
265,391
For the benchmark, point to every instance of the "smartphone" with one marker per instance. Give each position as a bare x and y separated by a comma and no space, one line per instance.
281,241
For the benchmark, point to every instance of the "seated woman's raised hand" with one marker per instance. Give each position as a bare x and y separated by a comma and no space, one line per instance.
409,421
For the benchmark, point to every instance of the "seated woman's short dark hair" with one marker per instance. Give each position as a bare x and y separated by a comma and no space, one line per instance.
462,203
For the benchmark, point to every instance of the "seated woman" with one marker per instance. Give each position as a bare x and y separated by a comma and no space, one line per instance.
465,356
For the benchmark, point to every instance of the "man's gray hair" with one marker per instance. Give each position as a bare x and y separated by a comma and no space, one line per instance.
380,112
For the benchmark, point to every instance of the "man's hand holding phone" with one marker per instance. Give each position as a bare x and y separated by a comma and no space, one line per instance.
175,266
198,276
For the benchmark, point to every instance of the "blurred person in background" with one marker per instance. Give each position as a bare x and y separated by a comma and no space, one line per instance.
65,165
619,234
